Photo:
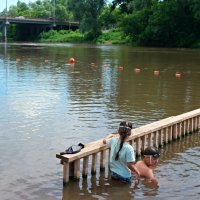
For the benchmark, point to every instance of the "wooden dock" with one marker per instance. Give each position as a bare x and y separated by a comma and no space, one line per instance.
154,134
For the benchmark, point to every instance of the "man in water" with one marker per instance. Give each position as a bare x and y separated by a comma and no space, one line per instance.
146,165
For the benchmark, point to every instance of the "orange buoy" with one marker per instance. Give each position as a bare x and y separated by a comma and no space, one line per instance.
178,75
137,70
156,72
46,61
92,64
71,60
120,67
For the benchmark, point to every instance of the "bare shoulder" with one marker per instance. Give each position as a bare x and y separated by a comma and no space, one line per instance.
140,163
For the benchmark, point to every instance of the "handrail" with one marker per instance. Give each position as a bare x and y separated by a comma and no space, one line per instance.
157,134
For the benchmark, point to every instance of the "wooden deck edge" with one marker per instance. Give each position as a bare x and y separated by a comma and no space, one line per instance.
97,146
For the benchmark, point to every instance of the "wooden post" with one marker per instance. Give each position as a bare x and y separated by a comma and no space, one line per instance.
187,126
94,163
150,139
65,173
174,132
143,139
196,123
77,169
160,138
131,142
170,133
184,128
190,125
138,152
155,139
179,130
102,160
85,166
165,130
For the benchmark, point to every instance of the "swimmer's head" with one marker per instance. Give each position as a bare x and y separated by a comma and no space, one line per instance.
151,151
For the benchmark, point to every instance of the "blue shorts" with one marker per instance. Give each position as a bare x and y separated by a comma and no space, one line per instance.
116,176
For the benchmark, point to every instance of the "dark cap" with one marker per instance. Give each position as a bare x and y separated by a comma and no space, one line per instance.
151,151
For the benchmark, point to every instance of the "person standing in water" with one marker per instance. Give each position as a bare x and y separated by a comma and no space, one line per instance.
122,156
146,165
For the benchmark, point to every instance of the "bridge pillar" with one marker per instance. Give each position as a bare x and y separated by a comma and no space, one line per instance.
4,32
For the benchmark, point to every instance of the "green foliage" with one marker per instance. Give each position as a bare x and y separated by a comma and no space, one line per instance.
166,23
109,18
87,12
170,23
113,37
62,36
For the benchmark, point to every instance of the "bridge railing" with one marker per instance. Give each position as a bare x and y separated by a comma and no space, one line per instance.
158,133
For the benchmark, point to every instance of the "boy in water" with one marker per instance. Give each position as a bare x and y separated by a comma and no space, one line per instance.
146,165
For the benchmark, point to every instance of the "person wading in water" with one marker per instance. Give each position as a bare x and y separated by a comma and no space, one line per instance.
122,155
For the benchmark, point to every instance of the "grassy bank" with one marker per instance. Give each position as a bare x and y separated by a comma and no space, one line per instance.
108,37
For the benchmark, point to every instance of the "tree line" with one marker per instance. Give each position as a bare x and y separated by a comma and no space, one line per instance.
159,23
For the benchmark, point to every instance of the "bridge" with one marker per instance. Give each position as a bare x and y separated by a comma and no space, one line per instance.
34,26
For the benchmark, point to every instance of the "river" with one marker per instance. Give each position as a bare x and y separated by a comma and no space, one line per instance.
47,105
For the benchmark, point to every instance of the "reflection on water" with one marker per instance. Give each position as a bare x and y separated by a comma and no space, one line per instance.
47,105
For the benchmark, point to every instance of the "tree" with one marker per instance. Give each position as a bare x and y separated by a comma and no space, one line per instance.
87,12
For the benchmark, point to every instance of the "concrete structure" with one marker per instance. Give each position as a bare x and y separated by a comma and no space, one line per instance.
34,26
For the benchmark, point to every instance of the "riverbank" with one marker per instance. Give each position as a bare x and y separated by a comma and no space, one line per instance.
114,36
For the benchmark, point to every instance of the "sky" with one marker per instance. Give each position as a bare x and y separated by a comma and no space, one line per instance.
13,2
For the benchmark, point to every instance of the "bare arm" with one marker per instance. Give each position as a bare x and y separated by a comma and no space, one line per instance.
132,167
146,172
107,137
151,177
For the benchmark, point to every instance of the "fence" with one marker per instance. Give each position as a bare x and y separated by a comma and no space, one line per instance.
154,134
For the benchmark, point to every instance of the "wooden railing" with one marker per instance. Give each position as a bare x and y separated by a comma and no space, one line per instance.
154,134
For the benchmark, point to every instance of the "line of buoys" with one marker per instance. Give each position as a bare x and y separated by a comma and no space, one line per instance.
120,68
71,60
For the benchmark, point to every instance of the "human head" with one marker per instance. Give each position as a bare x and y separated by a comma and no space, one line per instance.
151,156
124,129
